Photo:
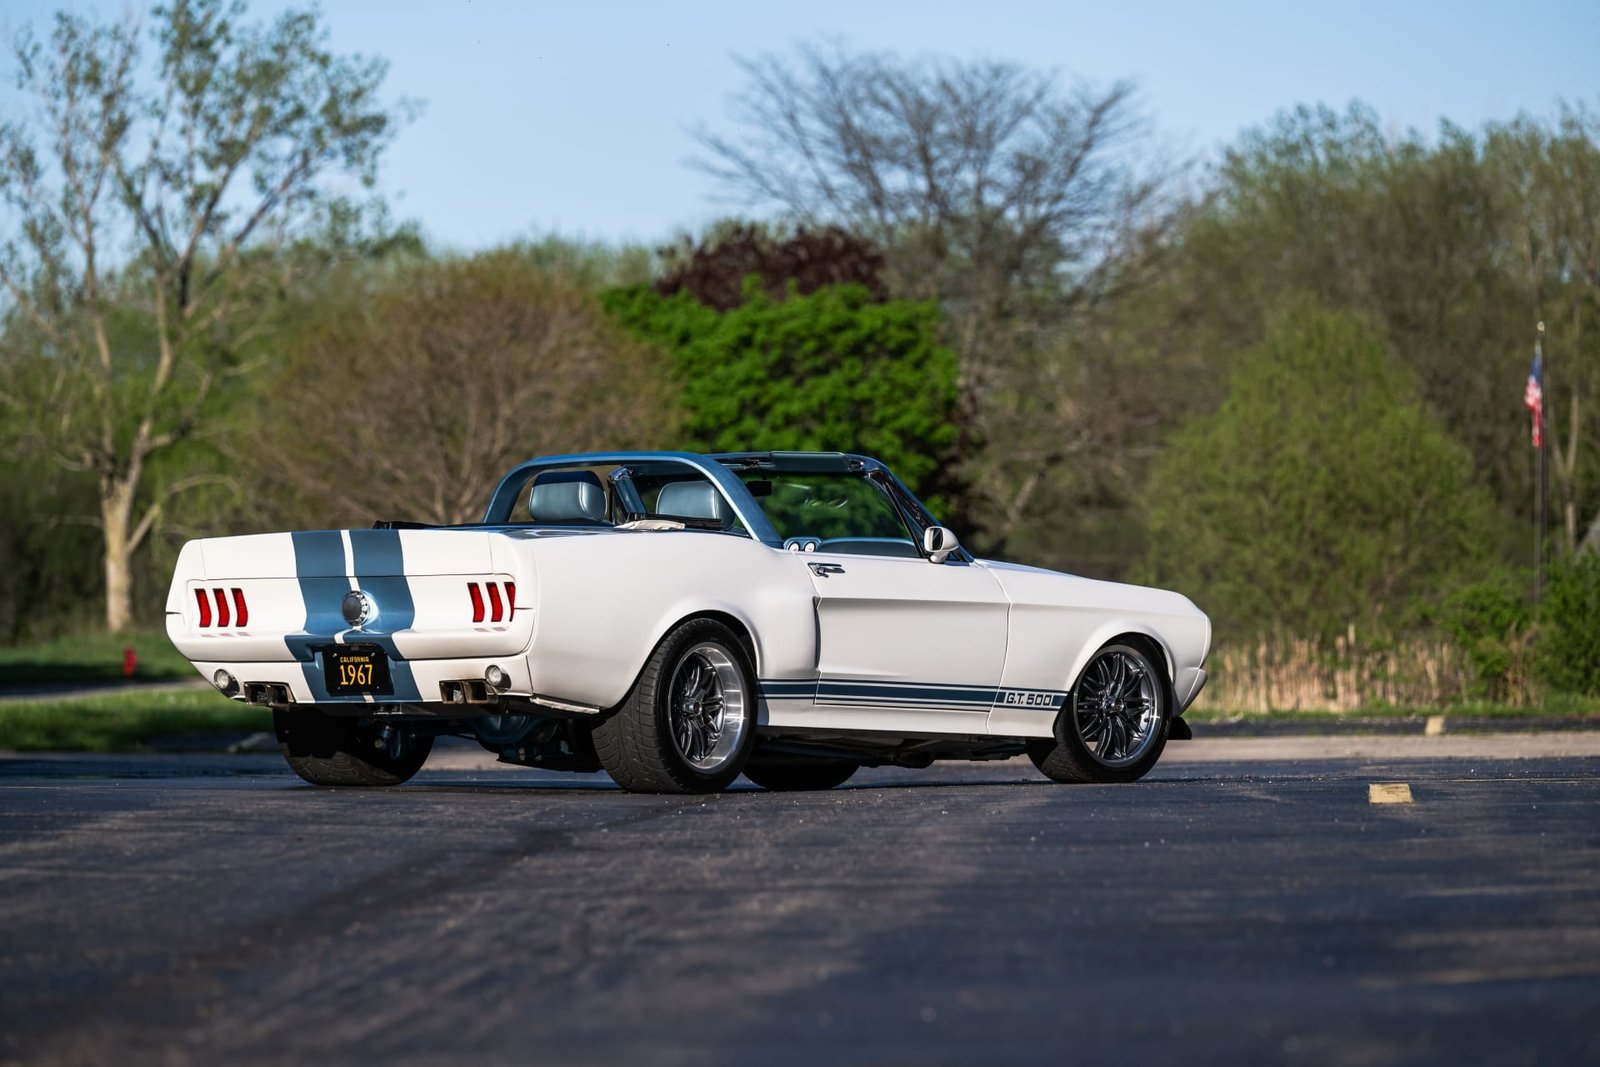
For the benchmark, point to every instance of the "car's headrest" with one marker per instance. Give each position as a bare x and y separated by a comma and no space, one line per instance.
693,500
567,496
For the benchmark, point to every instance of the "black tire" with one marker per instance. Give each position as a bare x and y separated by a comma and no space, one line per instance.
792,775
663,739
334,750
1138,703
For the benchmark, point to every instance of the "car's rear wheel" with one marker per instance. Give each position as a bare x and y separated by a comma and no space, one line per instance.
1114,726
336,750
688,724
791,775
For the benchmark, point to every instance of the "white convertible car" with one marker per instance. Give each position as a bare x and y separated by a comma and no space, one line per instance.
679,620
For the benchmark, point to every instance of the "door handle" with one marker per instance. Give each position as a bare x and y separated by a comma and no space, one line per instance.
822,570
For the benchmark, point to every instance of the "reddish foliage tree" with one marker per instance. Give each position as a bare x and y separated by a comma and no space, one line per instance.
714,269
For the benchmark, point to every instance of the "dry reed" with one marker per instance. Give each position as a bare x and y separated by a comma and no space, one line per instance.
1296,674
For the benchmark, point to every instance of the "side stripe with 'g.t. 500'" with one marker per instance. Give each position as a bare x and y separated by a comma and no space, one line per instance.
935,696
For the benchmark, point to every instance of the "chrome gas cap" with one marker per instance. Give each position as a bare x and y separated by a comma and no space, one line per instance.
358,608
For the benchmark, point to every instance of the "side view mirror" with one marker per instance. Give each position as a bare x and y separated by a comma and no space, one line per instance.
939,543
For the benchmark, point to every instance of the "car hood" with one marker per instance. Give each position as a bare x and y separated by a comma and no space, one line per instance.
1024,584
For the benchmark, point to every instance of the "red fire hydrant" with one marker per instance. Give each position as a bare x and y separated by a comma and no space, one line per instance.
130,662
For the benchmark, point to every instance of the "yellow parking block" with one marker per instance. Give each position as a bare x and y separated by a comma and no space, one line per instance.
1388,793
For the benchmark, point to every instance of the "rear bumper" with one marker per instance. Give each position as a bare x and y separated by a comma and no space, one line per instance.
492,643
414,681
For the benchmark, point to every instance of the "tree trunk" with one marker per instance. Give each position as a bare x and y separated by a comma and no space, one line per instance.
1591,538
116,513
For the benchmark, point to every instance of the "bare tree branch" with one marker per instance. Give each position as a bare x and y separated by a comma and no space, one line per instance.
1013,202
515,364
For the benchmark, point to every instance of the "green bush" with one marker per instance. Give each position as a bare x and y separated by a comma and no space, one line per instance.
1490,622
1568,658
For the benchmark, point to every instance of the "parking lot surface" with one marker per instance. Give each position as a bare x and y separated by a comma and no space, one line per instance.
1244,904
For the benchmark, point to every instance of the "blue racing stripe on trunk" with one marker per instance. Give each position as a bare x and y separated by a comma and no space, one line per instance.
380,570
317,554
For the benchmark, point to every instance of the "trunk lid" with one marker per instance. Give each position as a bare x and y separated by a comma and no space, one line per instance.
433,593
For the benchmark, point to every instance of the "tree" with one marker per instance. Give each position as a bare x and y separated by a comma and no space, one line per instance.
408,396
831,370
196,166
1456,244
1548,179
1005,199
715,269
592,266
982,179
1322,493
43,590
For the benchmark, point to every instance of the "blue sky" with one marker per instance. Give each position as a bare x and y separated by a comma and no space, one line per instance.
575,118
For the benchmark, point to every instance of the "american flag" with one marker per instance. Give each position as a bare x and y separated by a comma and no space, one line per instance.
1533,397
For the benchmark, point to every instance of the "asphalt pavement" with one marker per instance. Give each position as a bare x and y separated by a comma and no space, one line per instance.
1327,901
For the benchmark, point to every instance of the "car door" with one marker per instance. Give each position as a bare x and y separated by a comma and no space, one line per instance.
905,644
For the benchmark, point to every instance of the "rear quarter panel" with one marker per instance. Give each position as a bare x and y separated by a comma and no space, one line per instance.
606,600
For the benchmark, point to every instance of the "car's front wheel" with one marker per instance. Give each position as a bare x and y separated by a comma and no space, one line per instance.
336,750
1114,726
689,723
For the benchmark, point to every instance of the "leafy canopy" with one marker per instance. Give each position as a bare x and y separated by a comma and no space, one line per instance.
831,370
139,207
1323,493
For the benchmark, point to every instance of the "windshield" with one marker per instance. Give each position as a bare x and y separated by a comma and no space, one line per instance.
845,512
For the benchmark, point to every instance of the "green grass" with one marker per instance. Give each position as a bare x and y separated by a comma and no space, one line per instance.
92,657
122,722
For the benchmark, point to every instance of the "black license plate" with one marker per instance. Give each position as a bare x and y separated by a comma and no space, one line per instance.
356,671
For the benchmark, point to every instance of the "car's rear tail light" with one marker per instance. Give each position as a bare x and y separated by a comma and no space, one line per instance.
205,599
499,607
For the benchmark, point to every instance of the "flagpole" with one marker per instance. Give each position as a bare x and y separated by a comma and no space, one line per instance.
1539,480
